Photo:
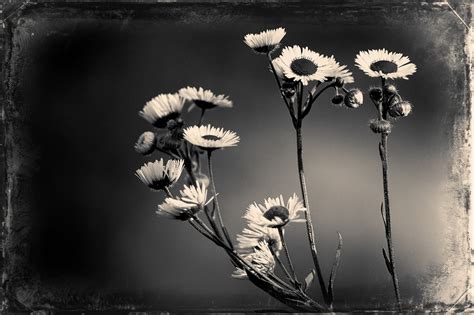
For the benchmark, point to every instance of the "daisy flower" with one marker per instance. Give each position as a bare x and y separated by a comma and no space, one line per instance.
204,99
210,138
340,71
266,41
274,212
192,199
303,64
384,64
157,175
162,108
146,143
253,234
261,260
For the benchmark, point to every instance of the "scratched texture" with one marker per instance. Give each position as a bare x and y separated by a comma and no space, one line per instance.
22,286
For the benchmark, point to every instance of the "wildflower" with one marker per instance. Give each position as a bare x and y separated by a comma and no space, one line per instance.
384,64
266,41
157,175
261,259
210,138
204,99
303,64
162,108
274,212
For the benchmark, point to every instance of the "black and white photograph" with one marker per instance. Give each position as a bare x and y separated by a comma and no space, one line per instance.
236,156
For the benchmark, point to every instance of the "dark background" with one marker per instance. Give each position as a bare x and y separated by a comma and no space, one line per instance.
94,227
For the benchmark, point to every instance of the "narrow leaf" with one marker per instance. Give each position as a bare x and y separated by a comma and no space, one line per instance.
383,216
387,261
337,260
309,280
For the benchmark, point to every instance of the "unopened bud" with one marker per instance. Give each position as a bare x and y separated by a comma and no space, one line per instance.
168,142
339,82
390,89
376,94
380,126
146,143
354,98
337,99
400,109
288,89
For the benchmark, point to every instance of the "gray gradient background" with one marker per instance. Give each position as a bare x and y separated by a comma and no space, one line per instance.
96,227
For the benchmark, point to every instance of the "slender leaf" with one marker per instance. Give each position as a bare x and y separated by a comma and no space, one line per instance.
337,260
383,216
387,261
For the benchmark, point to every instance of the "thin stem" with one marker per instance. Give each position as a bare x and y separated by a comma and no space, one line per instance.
312,99
215,201
287,253
203,111
288,105
168,192
282,265
304,192
309,224
388,222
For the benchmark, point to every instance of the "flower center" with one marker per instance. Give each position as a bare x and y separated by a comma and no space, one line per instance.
277,212
303,66
211,137
384,66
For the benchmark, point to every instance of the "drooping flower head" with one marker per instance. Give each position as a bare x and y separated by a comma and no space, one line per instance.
253,234
261,259
266,41
210,138
158,175
192,199
204,99
146,143
303,64
162,108
339,71
384,64
274,212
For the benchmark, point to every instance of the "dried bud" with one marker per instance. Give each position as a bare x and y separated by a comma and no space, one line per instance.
146,143
380,126
339,82
337,99
400,109
354,98
288,89
169,141
376,94
390,89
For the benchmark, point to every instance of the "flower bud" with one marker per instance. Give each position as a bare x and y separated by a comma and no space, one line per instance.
400,109
376,94
288,89
337,99
173,124
146,143
390,89
168,141
354,98
380,126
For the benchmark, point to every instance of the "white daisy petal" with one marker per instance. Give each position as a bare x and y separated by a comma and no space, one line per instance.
209,137
162,108
157,175
384,64
266,41
205,99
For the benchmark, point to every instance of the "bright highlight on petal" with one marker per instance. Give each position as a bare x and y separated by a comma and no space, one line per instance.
303,64
157,175
210,138
205,99
266,41
384,64
162,108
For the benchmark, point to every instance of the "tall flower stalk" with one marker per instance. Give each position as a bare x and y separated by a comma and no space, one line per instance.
390,105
